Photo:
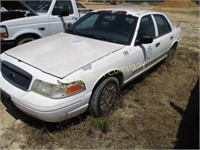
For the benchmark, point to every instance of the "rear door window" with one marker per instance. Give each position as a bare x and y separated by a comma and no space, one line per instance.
162,24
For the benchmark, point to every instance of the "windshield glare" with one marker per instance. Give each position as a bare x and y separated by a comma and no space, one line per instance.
111,27
40,6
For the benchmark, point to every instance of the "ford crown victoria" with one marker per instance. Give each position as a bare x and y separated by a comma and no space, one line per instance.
64,75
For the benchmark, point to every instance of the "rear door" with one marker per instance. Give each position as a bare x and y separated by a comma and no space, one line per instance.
164,35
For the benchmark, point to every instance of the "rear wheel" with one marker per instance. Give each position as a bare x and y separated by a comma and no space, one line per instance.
104,97
170,55
24,39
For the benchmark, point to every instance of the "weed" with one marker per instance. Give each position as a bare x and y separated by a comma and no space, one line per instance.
103,125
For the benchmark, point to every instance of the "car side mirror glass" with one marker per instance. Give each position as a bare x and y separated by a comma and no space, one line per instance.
145,39
64,13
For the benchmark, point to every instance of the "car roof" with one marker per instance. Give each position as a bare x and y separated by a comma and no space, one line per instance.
133,12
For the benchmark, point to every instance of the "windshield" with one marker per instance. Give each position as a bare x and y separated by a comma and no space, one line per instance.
39,6
111,27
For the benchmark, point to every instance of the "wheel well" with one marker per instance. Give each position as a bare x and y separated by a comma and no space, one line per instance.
116,73
175,44
27,35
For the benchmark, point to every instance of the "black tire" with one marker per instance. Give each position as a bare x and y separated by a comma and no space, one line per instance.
104,97
170,55
24,39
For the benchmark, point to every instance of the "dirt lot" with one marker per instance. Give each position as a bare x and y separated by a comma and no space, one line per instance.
151,111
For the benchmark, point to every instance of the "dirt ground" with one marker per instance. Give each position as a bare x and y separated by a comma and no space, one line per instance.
158,110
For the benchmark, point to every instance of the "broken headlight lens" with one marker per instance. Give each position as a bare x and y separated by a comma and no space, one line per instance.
58,91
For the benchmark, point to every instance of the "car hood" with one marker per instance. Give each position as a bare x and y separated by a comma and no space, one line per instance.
62,54
16,5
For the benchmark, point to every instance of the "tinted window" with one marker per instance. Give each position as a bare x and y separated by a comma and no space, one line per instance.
88,23
110,27
163,25
62,6
146,27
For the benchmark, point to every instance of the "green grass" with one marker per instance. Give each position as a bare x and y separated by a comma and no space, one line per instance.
103,125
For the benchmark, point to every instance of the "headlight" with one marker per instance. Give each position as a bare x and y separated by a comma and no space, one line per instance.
60,90
3,31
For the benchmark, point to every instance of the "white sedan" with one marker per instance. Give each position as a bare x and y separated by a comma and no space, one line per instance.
64,75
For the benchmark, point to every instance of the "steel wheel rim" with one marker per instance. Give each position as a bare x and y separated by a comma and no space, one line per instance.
171,53
107,98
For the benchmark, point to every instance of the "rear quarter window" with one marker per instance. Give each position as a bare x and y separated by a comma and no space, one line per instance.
162,24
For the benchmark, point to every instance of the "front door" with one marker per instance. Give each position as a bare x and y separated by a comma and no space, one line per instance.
150,51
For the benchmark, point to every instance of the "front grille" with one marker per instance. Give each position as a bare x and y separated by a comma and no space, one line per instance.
15,75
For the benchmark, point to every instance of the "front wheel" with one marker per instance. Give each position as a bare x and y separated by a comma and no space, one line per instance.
24,39
104,97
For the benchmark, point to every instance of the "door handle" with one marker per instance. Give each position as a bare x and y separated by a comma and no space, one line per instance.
157,44
74,18
41,28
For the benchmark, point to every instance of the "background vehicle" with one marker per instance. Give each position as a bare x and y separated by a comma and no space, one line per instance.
82,9
79,5
24,21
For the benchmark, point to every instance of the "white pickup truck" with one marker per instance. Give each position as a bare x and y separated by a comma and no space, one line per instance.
24,21
63,75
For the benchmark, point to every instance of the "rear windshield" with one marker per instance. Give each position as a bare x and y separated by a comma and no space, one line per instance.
40,6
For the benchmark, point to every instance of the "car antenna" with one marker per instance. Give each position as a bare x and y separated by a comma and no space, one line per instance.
178,24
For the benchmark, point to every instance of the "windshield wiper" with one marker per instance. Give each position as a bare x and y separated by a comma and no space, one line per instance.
93,36
98,37
71,31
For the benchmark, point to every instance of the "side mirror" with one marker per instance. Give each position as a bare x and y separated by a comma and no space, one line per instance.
64,13
145,39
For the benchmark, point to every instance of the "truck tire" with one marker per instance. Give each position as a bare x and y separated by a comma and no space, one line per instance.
104,97
24,39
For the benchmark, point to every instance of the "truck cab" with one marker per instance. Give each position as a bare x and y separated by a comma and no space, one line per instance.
25,21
